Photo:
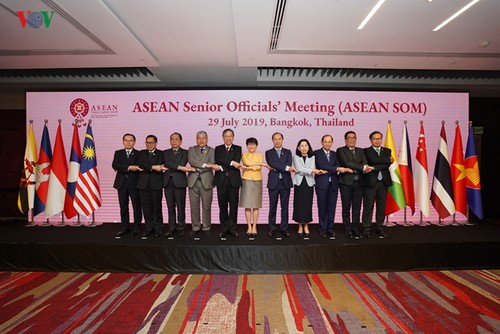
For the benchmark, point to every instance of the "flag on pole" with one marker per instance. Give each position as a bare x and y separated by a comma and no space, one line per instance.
421,176
395,194
88,193
405,170
458,173
26,195
75,159
42,173
58,175
442,190
473,181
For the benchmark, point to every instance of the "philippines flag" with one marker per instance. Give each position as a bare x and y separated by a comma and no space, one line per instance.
42,173
458,173
75,159
405,170
473,181
58,175
26,196
421,176
442,191
88,193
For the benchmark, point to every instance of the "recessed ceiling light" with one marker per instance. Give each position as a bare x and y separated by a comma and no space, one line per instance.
484,44
454,16
371,13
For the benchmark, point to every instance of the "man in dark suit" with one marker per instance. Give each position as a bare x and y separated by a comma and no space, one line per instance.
150,185
375,184
279,183
227,179
327,186
175,160
127,171
351,191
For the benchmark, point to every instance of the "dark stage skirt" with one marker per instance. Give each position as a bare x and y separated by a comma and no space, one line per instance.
302,202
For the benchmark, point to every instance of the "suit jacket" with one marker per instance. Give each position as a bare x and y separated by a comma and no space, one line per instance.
120,165
172,161
278,165
224,159
197,160
381,163
355,162
304,170
149,179
323,181
248,159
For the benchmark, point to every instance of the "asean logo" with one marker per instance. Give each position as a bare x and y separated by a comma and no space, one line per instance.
79,108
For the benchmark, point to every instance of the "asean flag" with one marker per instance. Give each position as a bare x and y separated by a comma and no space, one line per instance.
473,181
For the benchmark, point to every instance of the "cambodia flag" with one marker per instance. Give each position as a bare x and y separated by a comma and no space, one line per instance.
42,173
458,173
75,159
442,190
473,181
58,175
88,192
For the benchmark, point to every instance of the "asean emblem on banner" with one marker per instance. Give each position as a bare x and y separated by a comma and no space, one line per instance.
79,108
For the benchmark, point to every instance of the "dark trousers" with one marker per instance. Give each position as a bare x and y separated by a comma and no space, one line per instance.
351,196
327,205
228,197
283,194
151,208
176,204
376,193
124,195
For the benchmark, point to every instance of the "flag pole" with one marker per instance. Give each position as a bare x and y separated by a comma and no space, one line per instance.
406,222
422,222
92,223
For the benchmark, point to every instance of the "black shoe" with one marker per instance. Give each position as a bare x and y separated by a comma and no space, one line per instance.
285,233
234,234
381,234
207,232
332,234
222,236
355,235
157,234
272,233
323,234
146,234
180,233
300,234
193,232
366,234
122,233
134,233
170,233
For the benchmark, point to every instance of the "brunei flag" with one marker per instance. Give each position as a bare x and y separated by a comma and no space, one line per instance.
26,196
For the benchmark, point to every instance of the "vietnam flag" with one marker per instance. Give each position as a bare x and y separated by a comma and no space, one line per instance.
395,194
42,173
442,190
473,181
458,173
58,175
405,170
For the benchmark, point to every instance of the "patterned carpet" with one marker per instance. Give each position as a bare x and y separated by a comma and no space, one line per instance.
403,302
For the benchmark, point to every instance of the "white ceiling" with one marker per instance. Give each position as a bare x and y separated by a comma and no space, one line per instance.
223,43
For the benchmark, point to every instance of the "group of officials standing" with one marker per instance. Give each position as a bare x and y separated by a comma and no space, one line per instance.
142,177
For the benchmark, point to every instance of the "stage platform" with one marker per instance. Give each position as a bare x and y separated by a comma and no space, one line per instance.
95,249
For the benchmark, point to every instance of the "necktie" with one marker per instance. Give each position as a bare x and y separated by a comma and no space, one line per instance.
353,151
279,153
328,156
202,150
175,151
227,149
128,154
378,150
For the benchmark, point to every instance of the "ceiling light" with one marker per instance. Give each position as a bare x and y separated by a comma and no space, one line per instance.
371,13
473,2
484,44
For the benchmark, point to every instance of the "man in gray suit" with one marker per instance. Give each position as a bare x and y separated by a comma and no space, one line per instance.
202,158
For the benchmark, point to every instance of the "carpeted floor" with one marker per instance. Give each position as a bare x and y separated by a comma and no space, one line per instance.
401,302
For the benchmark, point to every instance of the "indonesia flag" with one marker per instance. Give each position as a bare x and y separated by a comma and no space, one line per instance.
405,170
458,173
442,190
473,182
395,194
58,176
75,159
421,175
88,193
42,173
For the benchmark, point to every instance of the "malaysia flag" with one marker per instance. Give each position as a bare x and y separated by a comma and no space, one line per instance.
88,193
